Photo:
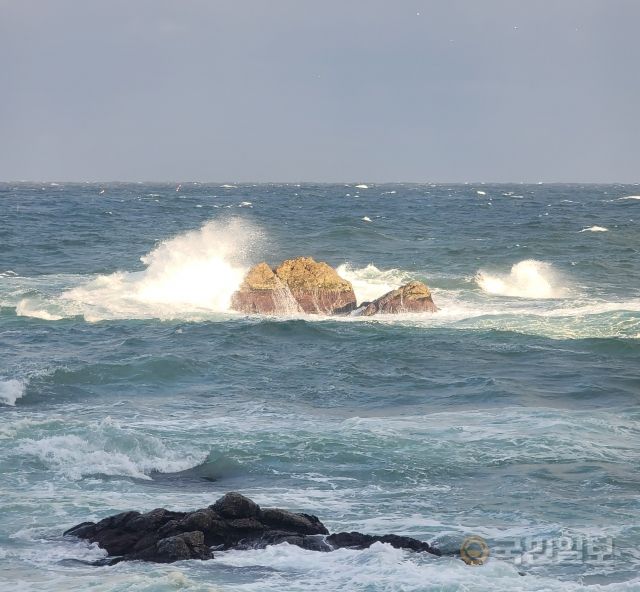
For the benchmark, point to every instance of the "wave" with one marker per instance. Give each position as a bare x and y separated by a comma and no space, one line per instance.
637,197
12,390
527,279
110,450
370,282
192,274
595,229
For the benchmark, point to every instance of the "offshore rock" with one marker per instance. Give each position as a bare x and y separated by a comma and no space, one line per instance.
232,522
296,285
262,292
412,297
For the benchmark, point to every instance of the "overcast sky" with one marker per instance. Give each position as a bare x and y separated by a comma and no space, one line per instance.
331,90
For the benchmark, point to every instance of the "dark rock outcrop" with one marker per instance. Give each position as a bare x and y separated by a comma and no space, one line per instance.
412,297
232,522
296,285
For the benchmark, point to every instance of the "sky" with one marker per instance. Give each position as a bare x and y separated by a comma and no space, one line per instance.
330,91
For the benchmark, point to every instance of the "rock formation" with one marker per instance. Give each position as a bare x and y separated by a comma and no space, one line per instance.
412,297
296,285
232,522
304,285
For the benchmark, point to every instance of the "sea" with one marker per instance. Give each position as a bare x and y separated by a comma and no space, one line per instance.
511,414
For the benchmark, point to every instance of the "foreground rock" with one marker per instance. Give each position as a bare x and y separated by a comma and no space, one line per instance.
233,522
297,285
412,297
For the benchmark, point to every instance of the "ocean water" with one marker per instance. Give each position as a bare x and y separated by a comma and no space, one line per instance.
511,414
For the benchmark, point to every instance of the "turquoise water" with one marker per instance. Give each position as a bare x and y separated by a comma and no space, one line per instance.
512,413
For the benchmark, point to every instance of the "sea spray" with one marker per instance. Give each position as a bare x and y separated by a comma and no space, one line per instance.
527,279
370,282
11,390
187,276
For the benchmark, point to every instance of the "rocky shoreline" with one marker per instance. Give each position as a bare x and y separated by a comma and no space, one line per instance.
303,285
232,522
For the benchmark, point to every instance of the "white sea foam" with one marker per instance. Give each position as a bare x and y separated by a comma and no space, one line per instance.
11,390
527,279
362,186
110,450
630,197
190,275
366,219
370,282
595,229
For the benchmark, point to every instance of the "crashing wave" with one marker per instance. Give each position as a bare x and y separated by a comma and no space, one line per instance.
527,279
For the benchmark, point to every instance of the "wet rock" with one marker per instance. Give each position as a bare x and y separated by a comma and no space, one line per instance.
316,286
288,521
296,285
262,292
187,545
236,505
412,297
357,540
232,522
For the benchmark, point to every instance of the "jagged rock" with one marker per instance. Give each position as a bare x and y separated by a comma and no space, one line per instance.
357,540
236,505
296,285
188,545
412,297
232,522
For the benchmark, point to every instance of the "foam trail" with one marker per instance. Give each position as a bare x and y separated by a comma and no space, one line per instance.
11,391
527,279
190,275
370,282
630,197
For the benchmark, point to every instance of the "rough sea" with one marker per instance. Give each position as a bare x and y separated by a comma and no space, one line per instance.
511,414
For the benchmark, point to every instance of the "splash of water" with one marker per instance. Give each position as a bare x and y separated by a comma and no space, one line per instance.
11,391
192,274
527,279
370,282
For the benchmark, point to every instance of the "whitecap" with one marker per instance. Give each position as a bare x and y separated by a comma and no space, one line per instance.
12,390
366,219
370,282
595,229
527,279
636,197
362,186
481,192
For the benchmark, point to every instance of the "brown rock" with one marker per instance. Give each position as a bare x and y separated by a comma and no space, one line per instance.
264,293
316,286
412,297
297,285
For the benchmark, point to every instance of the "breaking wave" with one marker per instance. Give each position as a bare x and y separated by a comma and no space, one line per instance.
370,282
595,229
527,279
109,450
192,274
11,391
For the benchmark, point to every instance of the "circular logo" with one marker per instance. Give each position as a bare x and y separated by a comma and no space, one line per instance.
474,550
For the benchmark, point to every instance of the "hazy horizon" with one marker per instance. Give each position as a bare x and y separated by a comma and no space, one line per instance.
287,92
